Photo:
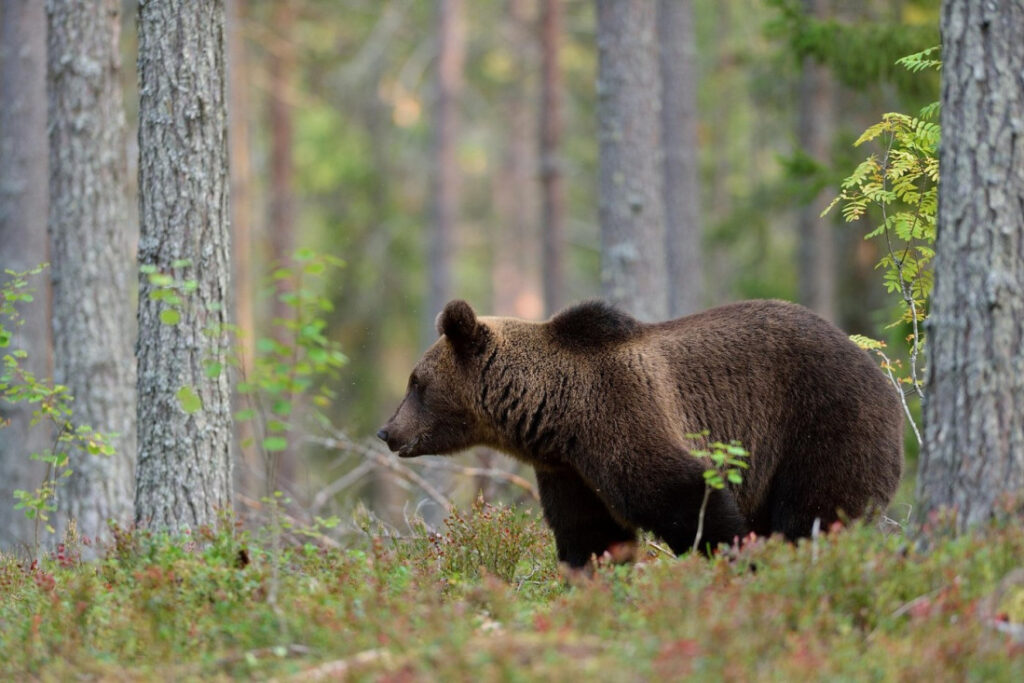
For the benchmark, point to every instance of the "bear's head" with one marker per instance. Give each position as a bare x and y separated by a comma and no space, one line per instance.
438,414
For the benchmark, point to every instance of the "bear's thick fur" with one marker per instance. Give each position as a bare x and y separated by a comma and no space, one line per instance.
601,405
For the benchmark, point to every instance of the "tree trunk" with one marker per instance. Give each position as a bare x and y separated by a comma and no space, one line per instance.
552,187
91,254
184,469
974,408
281,65
445,186
514,237
249,475
816,113
631,210
678,63
23,205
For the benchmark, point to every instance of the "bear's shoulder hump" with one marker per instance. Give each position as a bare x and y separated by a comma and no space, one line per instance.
592,324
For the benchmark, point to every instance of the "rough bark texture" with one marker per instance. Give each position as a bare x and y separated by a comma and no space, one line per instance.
816,113
552,186
23,202
632,214
91,254
184,469
445,175
974,408
678,63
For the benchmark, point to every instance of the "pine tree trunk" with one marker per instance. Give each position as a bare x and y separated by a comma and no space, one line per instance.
678,63
91,257
514,238
23,206
816,112
249,476
445,172
631,209
974,408
552,187
281,65
184,468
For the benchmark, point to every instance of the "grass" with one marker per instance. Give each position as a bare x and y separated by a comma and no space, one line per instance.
485,602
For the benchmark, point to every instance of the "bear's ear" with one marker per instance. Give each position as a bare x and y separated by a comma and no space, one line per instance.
458,322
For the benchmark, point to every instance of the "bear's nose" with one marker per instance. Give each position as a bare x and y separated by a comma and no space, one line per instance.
382,434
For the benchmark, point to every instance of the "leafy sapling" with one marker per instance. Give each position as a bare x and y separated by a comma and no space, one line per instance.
726,460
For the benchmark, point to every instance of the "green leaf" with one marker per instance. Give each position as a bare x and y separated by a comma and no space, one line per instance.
169,316
275,444
188,399
213,369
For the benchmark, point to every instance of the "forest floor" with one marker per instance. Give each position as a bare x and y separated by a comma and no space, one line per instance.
486,602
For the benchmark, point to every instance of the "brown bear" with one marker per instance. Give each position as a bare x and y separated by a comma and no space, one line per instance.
604,408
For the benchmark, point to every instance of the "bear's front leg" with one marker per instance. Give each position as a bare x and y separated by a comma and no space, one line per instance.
582,525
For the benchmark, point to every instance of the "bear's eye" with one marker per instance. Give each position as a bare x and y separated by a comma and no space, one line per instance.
414,383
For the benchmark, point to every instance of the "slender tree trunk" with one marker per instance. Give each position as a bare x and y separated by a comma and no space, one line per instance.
678,53
514,239
974,412
632,210
445,174
552,188
248,476
281,65
184,468
816,114
23,205
242,218
91,254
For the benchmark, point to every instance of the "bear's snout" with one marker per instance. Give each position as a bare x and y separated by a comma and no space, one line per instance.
382,434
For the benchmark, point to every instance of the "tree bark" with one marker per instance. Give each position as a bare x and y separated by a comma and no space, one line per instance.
184,468
631,209
815,116
678,64
23,206
91,254
552,186
974,407
445,186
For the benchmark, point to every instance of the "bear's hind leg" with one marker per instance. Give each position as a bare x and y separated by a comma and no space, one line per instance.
582,524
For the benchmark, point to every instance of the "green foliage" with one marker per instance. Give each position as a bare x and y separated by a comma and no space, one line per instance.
849,605
859,53
51,408
296,363
727,461
898,188
489,539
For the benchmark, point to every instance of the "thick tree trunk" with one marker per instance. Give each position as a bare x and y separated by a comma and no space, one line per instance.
632,213
816,113
552,187
91,254
23,204
974,408
445,174
678,63
184,468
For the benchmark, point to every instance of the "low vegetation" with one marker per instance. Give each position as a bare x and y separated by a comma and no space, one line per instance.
485,601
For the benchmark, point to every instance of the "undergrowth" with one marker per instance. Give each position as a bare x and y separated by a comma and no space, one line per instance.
484,601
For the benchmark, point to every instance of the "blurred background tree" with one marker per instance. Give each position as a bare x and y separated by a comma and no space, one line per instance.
335,117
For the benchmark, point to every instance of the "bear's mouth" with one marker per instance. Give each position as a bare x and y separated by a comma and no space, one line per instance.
408,450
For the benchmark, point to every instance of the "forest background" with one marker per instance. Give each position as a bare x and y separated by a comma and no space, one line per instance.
332,118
